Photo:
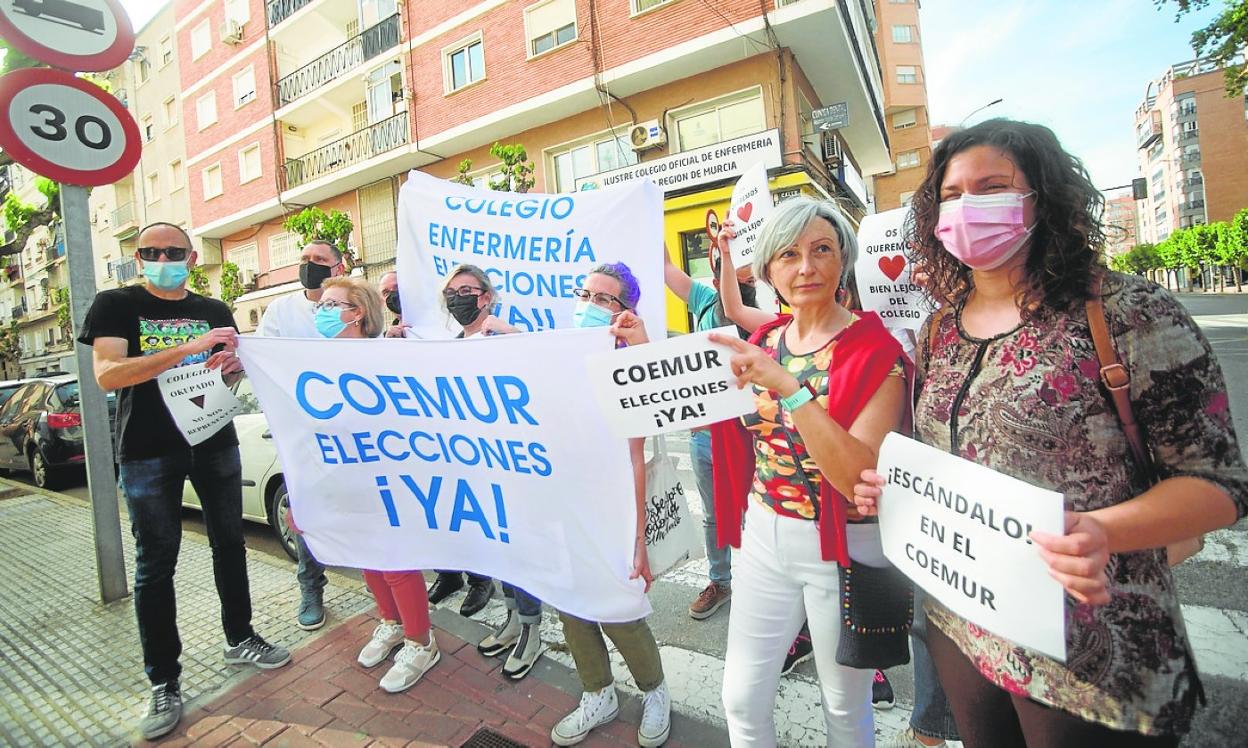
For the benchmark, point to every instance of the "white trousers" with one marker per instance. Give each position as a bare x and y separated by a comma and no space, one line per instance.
779,580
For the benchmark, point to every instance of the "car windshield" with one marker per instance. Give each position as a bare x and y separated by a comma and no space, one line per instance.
7,392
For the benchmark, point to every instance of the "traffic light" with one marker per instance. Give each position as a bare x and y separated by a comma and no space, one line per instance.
1139,188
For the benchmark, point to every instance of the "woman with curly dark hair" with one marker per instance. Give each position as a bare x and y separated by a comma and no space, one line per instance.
1008,226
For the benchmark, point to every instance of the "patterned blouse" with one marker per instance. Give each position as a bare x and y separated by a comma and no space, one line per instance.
777,484
1028,403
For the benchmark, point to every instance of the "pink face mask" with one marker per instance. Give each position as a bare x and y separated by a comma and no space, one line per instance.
983,231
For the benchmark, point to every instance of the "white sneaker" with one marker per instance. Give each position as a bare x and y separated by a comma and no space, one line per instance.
410,665
503,638
656,717
524,655
597,708
907,739
386,637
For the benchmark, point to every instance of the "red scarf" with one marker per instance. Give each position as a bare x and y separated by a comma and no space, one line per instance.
865,354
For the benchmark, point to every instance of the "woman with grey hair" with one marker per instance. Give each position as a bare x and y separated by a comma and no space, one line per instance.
829,384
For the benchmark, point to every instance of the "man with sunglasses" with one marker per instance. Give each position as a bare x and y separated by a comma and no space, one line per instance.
294,316
138,332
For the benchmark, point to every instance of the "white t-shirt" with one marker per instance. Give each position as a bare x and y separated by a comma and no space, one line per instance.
290,316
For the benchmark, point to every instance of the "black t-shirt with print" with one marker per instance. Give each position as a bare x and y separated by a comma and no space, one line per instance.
150,325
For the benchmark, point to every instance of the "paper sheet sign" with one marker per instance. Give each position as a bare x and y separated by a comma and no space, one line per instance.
959,530
669,385
751,204
883,271
199,400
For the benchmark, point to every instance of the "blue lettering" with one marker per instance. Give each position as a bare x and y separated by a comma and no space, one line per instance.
365,448
427,501
301,385
381,445
322,442
468,509
344,384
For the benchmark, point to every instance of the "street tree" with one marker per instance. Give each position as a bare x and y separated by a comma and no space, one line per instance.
334,227
1222,41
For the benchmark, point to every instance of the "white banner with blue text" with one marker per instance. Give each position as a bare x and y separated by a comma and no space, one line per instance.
487,455
536,248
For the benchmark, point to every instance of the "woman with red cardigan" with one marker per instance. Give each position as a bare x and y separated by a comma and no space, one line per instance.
829,384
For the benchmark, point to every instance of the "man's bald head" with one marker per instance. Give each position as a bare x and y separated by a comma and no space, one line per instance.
389,283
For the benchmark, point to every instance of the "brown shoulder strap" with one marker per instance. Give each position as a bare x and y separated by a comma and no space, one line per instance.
1116,377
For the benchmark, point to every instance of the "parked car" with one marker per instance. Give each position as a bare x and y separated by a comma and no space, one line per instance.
264,491
7,389
41,429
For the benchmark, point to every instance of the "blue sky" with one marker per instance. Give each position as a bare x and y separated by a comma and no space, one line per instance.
1080,68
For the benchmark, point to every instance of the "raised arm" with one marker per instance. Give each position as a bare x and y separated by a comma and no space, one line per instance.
676,279
748,317
115,370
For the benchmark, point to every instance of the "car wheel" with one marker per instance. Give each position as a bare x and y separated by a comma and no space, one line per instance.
279,511
45,477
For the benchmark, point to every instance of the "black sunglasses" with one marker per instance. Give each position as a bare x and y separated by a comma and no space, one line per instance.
173,254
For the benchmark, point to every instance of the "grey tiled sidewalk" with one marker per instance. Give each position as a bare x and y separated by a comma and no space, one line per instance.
72,671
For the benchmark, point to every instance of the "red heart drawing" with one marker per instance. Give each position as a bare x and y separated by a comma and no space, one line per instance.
744,212
892,266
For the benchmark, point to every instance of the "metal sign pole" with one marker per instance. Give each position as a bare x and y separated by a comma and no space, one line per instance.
110,559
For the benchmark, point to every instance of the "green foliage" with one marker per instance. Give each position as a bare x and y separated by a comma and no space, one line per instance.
1140,259
10,345
517,172
198,281
231,284
60,298
314,223
1222,40
461,177
14,59
16,212
51,191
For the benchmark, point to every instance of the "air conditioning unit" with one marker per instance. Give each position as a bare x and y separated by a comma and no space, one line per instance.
231,32
831,151
647,135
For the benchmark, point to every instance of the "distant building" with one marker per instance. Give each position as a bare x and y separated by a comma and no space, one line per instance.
1121,233
905,102
1193,150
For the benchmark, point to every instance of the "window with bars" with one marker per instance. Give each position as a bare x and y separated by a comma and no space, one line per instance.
247,258
283,250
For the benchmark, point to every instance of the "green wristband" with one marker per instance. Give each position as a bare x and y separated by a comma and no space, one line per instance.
804,394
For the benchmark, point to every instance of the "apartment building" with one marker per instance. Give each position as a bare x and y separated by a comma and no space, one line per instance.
150,87
1193,150
905,100
293,103
1121,232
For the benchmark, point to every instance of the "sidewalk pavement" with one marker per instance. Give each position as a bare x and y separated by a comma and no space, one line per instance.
73,671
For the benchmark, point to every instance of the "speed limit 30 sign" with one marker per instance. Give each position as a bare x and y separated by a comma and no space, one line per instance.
66,128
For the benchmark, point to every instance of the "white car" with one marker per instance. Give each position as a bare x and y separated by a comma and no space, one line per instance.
264,491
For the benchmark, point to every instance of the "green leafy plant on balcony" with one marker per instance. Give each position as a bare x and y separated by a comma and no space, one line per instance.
198,281
232,285
10,347
60,298
334,227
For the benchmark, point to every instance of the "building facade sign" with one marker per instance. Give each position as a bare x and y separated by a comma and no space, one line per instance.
711,163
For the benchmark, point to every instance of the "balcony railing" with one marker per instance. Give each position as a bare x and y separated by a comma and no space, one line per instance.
1189,136
1195,181
1193,205
345,57
124,218
19,311
279,10
359,146
1191,158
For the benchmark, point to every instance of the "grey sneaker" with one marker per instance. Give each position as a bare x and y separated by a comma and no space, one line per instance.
908,739
258,652
311,610
164,712
524,655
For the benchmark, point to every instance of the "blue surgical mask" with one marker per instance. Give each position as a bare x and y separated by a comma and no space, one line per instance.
165,275
329,322
589,314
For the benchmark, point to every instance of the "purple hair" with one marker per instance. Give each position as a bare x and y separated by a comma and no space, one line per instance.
630,291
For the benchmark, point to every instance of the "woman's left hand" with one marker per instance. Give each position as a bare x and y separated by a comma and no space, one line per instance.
1078,558
641,563
630,328
752,365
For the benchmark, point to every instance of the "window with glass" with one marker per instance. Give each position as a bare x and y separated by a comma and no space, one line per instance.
465,64
373,12
720,120
283,250
201,40
177,175
640,6
143,69
907,159
244,86
149,129
907,74
247,258
905,118
206,110
166,51
152,188
585,159
212,181
249,163
170,108
903,34
383,89
550,24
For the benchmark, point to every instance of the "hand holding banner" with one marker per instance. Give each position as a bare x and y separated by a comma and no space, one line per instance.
883,271
669,385
751,204
959,530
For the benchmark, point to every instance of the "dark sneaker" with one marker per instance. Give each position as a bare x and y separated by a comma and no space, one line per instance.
800,652
478,595
882,692
710,600
311,610
164,712
524,655
258,652
445,586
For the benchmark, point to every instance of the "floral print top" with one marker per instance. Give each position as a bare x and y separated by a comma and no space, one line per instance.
777,485
1029,403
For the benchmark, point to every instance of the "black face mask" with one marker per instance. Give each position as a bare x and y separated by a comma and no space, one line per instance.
312,275
464,309
749,294
393,303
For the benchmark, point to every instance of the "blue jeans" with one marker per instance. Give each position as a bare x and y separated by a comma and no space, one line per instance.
932,716
529,608
153,491
309,572
720,559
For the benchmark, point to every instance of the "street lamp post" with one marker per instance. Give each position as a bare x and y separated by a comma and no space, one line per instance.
994,102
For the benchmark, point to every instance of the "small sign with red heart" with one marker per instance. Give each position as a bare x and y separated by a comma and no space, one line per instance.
892,266
745,211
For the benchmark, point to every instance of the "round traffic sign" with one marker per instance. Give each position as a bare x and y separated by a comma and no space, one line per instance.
66,128
97,31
